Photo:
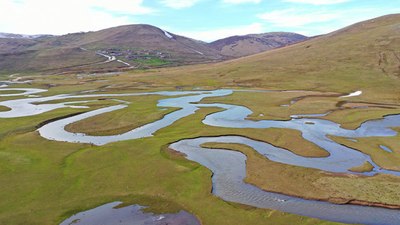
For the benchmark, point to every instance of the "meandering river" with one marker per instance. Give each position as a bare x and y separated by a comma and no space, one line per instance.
228,180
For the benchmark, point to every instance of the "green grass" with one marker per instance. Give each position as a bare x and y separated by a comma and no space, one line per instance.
268,105
370,146
315,184
144,110
45,182
141,111
9,92
3,108
353,118
68,178
365,167
151,62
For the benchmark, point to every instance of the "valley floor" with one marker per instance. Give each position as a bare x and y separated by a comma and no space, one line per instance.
45,182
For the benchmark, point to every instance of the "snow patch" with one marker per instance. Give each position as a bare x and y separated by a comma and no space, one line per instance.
356,93
198,52
168,34
160,218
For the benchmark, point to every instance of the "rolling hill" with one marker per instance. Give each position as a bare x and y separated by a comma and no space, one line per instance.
126,47
352,55
129,46
361,56
238,46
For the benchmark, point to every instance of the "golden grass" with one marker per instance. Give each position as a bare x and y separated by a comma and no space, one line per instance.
3,108
142,110
365,167
370,146
6,92
315,184
353,118
46,181
270,105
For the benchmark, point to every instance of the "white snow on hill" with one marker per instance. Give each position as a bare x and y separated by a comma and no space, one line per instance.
168,34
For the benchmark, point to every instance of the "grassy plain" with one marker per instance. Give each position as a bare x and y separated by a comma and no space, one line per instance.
141,110
60,178
51,180
276,105
144,110
48,181
353,118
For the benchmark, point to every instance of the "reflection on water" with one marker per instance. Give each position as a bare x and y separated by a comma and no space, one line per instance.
385,148
111,214
22,91
227,180
229,171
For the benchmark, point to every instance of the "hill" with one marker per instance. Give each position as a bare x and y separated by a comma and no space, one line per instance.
238,46
128,46
22,36
362,56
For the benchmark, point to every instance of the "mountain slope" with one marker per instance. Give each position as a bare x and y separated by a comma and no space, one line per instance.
134,45
364,56
238,46
137,37
9,45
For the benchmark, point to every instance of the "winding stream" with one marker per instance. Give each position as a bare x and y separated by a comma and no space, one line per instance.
24,91
112,213
229,171
228,180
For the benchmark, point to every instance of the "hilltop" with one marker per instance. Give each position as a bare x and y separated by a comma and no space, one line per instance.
238,46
